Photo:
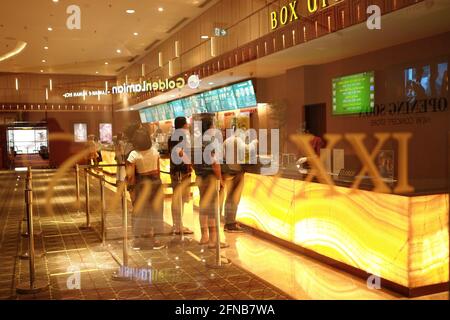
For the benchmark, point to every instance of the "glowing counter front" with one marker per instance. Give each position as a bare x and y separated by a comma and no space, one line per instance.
402,239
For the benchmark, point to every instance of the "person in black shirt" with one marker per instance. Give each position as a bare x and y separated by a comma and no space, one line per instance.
180,173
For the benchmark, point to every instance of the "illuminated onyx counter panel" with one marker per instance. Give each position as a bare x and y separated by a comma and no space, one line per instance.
402,239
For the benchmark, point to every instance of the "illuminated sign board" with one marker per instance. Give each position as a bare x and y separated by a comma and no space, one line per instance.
289,13
238,96
161,85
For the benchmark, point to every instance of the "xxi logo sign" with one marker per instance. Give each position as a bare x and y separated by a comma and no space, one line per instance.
366,157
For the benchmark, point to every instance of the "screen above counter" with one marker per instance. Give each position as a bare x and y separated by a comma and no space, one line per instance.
354,94
238,96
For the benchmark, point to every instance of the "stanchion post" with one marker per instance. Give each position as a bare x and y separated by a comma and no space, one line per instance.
33,286
102,207
180,196
122,274
218,257
125,226
220,261
88,200
77,183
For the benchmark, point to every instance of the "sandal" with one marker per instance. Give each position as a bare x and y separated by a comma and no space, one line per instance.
222,246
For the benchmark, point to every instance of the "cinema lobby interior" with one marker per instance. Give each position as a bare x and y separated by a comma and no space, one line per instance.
224,149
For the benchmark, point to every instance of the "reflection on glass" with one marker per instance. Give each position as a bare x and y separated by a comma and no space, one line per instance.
80,132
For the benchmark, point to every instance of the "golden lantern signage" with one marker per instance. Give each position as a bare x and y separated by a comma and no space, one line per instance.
289,13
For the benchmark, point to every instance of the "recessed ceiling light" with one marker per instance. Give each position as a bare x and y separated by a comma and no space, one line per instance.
204,37
50,29
211,83
96,72
160,9
136,34
45,48
44,61
130,11
106,63
42,71
55,1
119,51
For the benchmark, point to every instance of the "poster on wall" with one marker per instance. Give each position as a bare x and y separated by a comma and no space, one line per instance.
106,132
80,132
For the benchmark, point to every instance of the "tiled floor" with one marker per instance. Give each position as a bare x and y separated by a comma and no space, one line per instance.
179,272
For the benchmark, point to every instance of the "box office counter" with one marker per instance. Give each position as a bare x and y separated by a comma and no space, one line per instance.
403,239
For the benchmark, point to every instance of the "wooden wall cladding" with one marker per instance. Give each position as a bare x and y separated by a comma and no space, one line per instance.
250,36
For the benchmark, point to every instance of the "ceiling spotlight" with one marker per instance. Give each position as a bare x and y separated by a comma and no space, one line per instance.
119,51
131,109
96,72
50,29
44,61
205,37
45,48
42,71
211,83
160,9
55,1
106,63
136,34
130,11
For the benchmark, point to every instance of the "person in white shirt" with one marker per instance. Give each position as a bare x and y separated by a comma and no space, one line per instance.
235,153
143,173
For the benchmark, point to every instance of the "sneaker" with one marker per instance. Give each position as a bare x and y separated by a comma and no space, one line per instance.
233,228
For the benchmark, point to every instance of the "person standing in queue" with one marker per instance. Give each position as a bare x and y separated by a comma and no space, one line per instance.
208,174
235,150
180,172
92,146
143,176
119,151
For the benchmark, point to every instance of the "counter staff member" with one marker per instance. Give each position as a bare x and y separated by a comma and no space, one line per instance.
181,189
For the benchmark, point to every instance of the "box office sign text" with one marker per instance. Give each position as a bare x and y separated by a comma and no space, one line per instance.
290,12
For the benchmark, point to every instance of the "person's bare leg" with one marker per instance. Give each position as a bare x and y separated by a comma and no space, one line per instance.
212,232
204,229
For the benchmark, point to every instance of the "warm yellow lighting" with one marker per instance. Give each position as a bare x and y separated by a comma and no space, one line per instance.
402,239
18,49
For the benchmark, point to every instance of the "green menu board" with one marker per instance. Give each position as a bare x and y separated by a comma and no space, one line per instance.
227,98
177,108
245,94
142,116
212,101
354,94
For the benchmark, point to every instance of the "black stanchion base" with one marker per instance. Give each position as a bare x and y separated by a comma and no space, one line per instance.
224,262
36,234
100,248
26,256
26,288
